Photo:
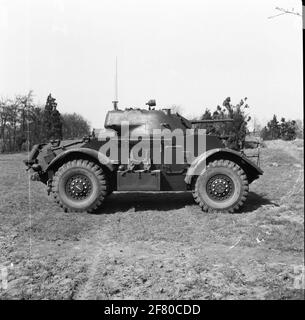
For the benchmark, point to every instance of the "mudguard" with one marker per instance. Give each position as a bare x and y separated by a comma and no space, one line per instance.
95,154
251,169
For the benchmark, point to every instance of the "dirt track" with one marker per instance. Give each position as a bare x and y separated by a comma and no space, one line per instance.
155,246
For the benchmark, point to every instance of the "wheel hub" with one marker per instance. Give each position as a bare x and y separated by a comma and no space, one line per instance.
220,187
78,187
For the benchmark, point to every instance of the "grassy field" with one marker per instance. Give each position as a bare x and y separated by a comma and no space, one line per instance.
149,246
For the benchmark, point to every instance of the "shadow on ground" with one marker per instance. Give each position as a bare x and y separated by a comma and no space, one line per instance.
255,201
138,201
146,201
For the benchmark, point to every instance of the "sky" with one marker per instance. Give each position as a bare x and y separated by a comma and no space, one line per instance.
188,53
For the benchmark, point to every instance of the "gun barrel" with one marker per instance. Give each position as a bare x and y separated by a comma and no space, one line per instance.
211,121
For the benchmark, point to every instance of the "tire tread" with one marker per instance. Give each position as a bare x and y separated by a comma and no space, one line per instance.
244,192
102,180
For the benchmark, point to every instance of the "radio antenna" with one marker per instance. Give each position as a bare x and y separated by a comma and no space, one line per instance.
115,101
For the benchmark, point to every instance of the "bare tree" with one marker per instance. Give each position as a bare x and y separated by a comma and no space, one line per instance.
22,123
285,11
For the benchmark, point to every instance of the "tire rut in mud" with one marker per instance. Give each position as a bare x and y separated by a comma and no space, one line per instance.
96,274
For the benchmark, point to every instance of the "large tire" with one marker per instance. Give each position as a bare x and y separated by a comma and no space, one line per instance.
79,186
221,187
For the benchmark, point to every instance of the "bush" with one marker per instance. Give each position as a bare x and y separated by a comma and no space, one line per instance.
285,130
74,126
234,133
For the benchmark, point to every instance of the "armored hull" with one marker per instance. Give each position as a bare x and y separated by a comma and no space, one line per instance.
143,150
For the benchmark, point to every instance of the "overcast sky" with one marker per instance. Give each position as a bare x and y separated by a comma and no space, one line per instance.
188,53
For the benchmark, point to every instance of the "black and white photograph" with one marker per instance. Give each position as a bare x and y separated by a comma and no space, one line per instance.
151,150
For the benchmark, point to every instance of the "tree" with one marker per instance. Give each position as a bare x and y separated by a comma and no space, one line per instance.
285,11
14,117
56,124
299,130
4,117
272,131
235,132
274,128
257,127
74,126
24,123
52,122
288,130
47,121
285,130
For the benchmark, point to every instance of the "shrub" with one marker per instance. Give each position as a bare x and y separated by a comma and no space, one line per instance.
234,133
285,130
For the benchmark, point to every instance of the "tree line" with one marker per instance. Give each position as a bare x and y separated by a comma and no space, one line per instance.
234,133
285,130
24,123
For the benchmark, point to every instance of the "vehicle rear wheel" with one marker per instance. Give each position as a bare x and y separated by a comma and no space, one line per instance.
79,186
222,187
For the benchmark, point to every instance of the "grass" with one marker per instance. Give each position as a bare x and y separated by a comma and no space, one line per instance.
149,246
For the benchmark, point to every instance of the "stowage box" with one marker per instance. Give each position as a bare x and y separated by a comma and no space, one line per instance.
138,180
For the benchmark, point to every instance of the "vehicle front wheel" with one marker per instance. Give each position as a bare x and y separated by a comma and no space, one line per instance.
222,187
79,186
